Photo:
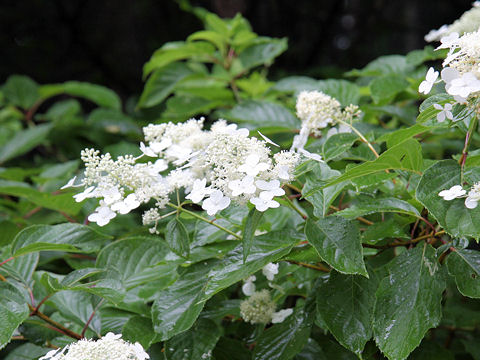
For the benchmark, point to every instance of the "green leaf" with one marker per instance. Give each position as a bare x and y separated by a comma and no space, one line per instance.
261,114
139,329
367,205
21,91
383,230
230,349
62,237
175,51
453,216
219,39
24,141
383,89
161,84
314,192
194,344
176,235
13,311
251,224
384,65
266,248
346,304
295,84
404,156
262,53
464,265
396,137
408,302
27,351
98,94
176,308
21,268
344,91
283,341
338,243
59,202
431,350
337,144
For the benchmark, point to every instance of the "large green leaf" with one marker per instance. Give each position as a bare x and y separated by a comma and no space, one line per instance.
262,53
21,268
338,243
176,235
344,91
384,89
368,206
283,341
140,329
161,83
404,156
194,344
384,65
464,265
27,351
453,216
24,141
337,144
346,304
62,237
176,308
21,91
13,311
408,302
261,114
251,224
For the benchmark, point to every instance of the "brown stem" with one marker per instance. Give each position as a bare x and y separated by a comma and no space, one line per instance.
84,330
5,261
404,243
310,266
361,219
53,323
32,212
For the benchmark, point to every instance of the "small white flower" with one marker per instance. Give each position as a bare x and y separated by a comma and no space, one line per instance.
232,130
454,192
87,193
448,40
300,140
52,354
264,201
199,191
127,205
146,150
252,166
70,183
435,35
448,74
216,202
157,147
139,351
248,286
473,197
280,316
181,154
111,336
309,155
270,270
102,215
243,186
283,172
464,85
341,129
445,112
268,140
427,84
272,187
111,195
159,166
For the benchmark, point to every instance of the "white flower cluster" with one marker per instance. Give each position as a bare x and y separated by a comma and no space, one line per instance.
109,347
215,167
259,308
468,22
317,111
457,191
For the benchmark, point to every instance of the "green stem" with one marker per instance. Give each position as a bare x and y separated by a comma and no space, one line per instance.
468,139
179,208
294,207
360,135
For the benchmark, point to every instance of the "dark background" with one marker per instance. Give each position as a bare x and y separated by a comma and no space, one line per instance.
108,41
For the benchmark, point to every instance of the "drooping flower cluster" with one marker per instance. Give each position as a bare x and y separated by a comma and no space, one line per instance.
109,347
457,191
468,22
259,308
215,167
317,111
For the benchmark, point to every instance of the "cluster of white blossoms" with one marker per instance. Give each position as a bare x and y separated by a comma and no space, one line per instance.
109,347
215,167
460,73
259,308
471,199
468,22
317,111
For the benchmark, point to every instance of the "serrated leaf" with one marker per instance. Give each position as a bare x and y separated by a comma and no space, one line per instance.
261,114
366,206
464,265
139,329
408,302
196,343
396,137
346,304
404,156
386,87
62,237
338,243
251,224
24,141
176,235
262,53
283,341
453,216
26,351
161,83
13,311
383,230
337,144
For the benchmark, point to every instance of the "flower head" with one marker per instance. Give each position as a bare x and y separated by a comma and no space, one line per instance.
258,308
216,202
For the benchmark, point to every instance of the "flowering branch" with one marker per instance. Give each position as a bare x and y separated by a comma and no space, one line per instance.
68,332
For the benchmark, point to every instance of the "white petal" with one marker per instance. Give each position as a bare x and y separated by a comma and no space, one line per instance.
268,140
280,316
471,203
